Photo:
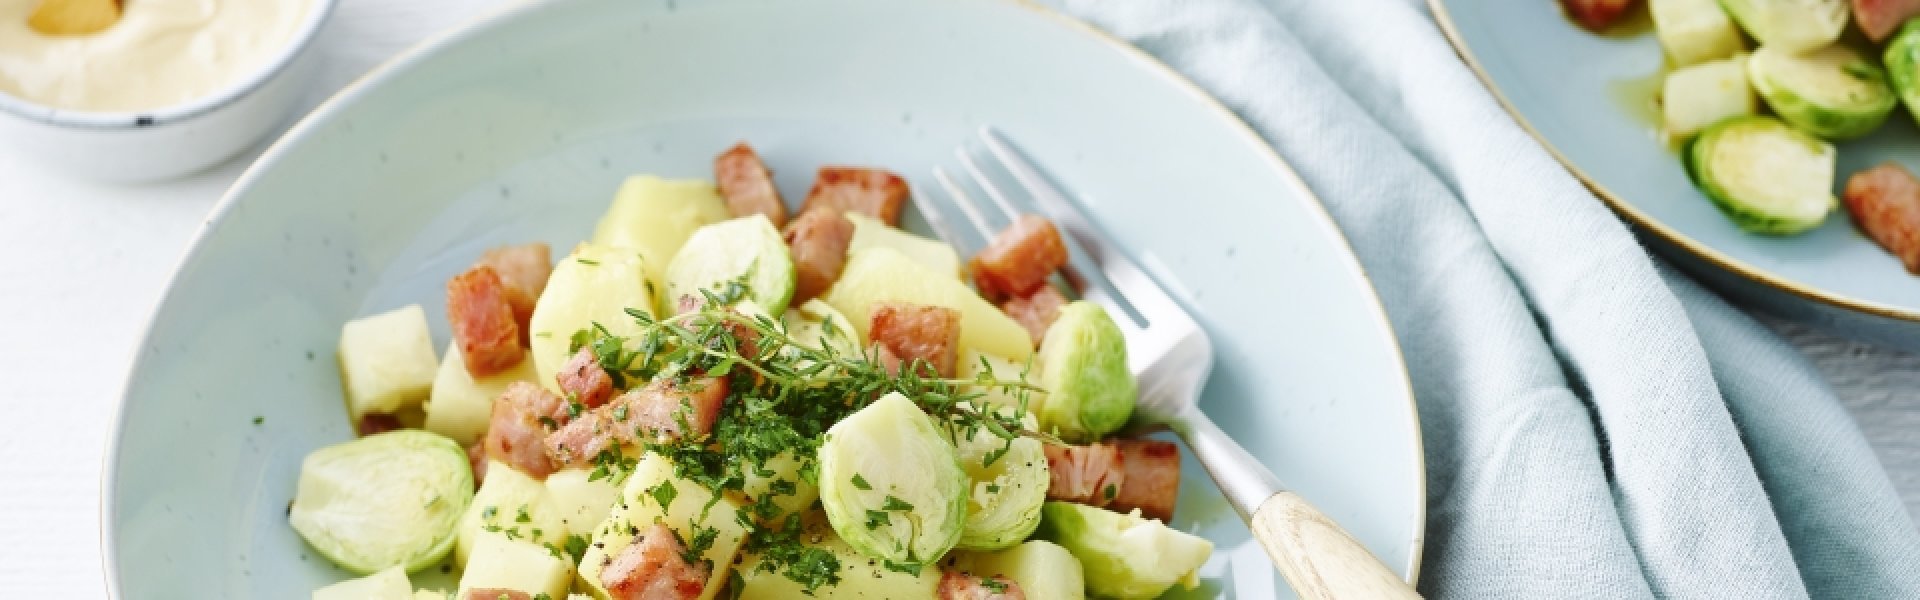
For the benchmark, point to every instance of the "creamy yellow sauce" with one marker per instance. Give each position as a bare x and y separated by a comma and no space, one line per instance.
161,53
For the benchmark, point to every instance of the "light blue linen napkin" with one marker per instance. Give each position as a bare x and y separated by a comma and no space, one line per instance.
1595,425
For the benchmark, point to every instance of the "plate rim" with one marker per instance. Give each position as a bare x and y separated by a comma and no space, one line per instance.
1644,221
309,122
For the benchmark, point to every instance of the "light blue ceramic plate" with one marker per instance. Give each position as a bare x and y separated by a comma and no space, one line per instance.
519,128
1589,98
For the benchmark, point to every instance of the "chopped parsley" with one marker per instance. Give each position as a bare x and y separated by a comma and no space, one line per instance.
910,568
782,397
994,584
664,494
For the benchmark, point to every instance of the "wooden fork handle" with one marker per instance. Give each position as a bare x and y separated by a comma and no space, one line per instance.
1318,558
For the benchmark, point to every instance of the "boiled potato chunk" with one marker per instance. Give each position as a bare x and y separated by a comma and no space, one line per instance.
595,284
388,584
460,404
641,506
510,505
784,468
861,578
582,502
386,361
655,217
882,274
1695,97
500,563
1042,569
1694,31
869,232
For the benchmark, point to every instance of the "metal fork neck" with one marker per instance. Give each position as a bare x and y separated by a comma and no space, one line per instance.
1242,478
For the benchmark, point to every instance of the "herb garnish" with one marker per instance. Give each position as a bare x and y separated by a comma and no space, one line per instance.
783,398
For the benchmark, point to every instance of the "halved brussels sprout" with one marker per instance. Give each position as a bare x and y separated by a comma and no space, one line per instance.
1004,505
383,500
1796,25
892,484
1124,556
720,253
1902,58
1083,366
1833,92
1765,176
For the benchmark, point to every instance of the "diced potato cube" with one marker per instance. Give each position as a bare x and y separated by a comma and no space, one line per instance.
784,467
593,285
500,563
460,405
656,216
860,577
1042,569
386,361
511,505
883,274
1707,93
582,503
640,507
390,584
869,232
1695,31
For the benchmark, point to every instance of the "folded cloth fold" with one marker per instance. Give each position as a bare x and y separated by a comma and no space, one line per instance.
1595,425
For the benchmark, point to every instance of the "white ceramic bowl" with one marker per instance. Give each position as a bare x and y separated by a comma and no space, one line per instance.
175,140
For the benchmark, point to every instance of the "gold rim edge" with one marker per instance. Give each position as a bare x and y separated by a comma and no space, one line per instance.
1639,219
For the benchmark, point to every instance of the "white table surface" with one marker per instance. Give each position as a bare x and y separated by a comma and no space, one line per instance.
86,262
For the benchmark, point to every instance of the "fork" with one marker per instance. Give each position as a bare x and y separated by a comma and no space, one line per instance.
1170,355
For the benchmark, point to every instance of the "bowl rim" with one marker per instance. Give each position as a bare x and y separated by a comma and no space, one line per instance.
479,21
302,39
1645,221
